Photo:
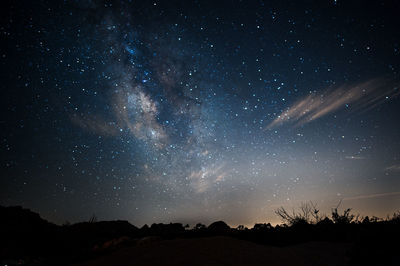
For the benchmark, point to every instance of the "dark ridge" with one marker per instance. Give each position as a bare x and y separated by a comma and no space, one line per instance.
27,239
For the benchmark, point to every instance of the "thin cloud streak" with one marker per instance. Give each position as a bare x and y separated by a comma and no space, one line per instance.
394,168
96,125
360,97
372,196
355,157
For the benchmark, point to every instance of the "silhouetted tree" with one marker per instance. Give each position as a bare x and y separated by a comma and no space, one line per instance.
199,226
344,218
93,219
240,227
262,226
307,213
365,220
325,222
219,227
396,217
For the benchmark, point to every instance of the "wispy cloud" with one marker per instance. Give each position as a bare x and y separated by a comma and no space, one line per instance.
393,168
355,157
96,125
372,196
359,97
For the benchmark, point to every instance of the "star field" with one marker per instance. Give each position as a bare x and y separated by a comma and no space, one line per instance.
195,111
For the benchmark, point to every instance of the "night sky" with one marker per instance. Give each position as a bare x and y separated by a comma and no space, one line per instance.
196,111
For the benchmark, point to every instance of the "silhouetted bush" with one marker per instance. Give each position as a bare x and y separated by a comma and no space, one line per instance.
262,226
307,213
219,227
199,226
167,230
344,218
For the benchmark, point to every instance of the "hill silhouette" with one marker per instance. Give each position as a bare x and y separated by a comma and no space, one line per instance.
27,239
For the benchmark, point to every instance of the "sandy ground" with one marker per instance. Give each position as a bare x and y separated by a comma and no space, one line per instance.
224,251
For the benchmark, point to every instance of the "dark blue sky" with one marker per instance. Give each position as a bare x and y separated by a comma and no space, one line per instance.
195,111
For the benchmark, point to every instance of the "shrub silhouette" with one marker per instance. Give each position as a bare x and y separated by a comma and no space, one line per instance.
93,219
167,230
199,226
219,227
262,226
344,218
240,227
307,213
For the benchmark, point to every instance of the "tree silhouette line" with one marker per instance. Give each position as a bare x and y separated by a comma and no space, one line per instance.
30,239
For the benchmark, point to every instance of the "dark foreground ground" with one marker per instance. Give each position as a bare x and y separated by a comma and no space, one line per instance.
27,239
222,250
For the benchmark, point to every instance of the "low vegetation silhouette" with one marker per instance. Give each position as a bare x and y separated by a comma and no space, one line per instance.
29,239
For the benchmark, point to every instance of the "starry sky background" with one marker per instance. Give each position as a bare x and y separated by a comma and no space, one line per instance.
196,111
